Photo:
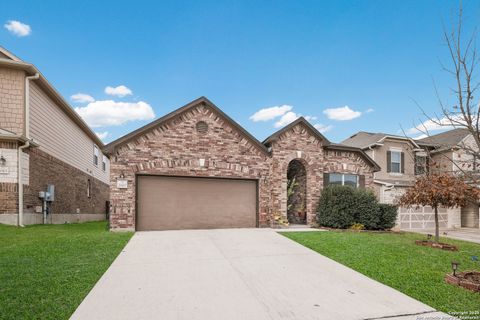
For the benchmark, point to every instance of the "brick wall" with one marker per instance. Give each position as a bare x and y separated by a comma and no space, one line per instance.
70,186
11,100
8,185
8,198
175,148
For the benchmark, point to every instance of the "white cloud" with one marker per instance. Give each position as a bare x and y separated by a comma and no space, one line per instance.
102,135
82,98
432,125
18,28
420,136
287,118
271,113
112,113
120,91
342,113
322,127
369,110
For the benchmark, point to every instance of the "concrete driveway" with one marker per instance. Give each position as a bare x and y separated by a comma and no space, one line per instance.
237,274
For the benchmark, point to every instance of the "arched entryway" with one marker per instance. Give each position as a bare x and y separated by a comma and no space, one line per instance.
296,192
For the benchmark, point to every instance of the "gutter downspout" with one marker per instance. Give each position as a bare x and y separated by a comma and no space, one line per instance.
26,145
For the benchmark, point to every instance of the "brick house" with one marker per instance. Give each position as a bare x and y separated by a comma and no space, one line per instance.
197,168
43,142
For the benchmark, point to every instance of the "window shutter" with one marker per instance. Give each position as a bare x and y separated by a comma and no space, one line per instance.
403,162
389,161
361,181
326,179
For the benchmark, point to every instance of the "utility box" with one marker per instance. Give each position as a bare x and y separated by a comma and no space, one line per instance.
50,194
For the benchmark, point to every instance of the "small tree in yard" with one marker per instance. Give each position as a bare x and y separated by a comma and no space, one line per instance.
439,190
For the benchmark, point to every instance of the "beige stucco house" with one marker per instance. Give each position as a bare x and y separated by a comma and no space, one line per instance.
449,152
47,152
402,159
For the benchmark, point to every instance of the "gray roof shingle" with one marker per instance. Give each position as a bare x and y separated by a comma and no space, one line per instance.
449,138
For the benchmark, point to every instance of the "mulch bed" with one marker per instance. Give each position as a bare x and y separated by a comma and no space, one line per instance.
469,280
438,245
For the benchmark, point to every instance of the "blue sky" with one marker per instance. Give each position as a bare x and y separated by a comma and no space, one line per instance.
376,57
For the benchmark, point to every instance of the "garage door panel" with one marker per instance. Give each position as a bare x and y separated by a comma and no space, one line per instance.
169,203
470,216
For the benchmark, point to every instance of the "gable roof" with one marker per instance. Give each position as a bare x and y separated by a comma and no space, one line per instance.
301,120
365,140
327,145
5,54
200,101
342,147
446,139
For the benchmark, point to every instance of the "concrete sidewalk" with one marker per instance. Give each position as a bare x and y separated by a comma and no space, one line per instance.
465,234
237,274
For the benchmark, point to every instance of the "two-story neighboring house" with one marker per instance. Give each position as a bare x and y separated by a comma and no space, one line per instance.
51,164
401,159
449,152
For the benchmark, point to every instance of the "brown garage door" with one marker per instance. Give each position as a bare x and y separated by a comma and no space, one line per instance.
169,203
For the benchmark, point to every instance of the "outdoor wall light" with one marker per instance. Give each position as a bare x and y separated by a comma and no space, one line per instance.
122,175
3,161
455,267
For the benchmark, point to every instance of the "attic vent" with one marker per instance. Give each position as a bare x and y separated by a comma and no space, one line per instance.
202,127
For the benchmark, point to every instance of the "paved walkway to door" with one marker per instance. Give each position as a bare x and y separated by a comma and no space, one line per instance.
237,274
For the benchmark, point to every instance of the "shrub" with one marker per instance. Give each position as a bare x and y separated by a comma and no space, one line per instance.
388,216
366,209
344,207
337,206
357,227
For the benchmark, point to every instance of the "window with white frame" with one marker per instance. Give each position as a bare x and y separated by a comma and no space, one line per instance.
343,179
396,161
104,163
95,155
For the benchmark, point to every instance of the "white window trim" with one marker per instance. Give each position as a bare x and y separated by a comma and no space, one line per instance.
96,152
104,161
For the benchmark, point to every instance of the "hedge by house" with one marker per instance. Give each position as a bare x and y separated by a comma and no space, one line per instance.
343,206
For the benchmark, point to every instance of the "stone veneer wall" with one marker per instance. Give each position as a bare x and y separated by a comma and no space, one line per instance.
11,100
175,148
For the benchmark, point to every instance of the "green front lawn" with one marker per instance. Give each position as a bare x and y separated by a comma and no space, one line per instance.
46,271
396,261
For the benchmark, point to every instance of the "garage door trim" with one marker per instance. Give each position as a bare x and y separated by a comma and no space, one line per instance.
197,177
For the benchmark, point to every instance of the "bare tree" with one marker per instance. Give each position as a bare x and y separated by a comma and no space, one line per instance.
465,113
